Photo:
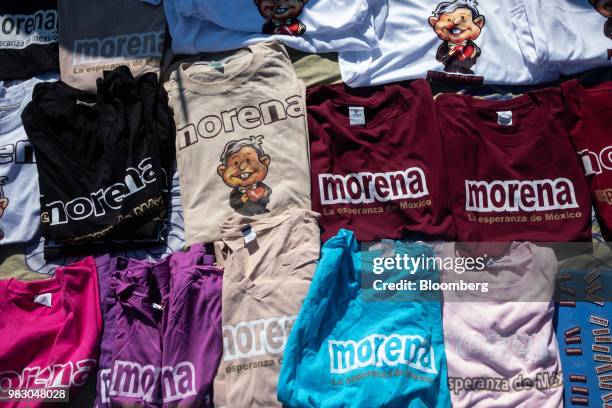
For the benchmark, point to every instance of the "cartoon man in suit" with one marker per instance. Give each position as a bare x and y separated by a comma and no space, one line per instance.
282,16
604,7
458,24
244,166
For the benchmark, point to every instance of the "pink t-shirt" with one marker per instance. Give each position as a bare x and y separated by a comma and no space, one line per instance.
500,345
50,331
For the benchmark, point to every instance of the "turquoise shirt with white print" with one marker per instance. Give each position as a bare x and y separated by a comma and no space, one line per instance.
354,346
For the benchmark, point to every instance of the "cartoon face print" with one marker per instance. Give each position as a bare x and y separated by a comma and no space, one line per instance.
244,166
458,24
604,7
282,16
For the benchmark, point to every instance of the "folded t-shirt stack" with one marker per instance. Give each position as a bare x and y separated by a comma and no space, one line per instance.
103,159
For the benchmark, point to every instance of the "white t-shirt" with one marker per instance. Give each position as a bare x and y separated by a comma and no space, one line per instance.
579,33
484,46
19,194
307,25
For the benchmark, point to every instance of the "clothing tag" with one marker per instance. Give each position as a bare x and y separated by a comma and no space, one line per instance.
504,118
44,299
375,247
157,306
249,234
217,65
388,248
90,104
357,116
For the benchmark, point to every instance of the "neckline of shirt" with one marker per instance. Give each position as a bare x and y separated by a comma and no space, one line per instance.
387,101
244,75
540,116
105,123
520,255
14,101
56,285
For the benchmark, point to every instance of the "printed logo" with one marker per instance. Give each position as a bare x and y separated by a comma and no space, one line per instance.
132,380
56,376
256,338
244,166
378,350
515,195
110,198
248,117
282,16
22,152
596,163
458,23
130,46
365,188
604,7
17,31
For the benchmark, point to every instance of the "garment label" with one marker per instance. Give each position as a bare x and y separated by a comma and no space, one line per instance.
388,248
249,234
44,299
82,102
357,116
504,118
218,65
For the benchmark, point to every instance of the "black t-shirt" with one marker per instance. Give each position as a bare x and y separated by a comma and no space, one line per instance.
28,38
103,159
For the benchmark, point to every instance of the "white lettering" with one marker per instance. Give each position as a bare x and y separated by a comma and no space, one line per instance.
256,338
379,350
365,188
19,31
96,205
516,195
131,46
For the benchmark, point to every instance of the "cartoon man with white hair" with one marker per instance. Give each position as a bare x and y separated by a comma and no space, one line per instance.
244,166
458,24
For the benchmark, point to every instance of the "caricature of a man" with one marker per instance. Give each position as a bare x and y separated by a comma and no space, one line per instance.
282,16
244,166
458,24
3,200
604,7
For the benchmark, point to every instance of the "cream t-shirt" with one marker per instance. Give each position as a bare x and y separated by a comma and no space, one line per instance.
241,139
269,265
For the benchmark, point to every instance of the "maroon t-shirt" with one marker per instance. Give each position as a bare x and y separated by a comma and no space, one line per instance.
589,115
513,173
376,162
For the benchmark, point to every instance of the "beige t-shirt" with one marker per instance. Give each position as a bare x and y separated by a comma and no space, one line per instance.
264,284
241,139
97,36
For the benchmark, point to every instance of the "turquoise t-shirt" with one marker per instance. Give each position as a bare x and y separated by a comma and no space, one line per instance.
354,347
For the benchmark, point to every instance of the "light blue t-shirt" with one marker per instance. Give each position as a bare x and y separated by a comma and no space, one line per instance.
355,347
316,26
